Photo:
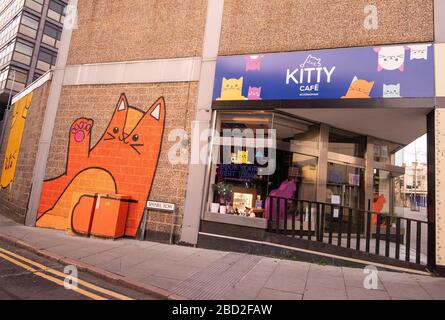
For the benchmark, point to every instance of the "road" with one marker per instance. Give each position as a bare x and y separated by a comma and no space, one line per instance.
26,276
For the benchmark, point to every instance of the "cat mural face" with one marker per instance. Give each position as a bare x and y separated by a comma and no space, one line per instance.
132,130
253,63
391,90
254,93
232,89
419,51
391,58
359,89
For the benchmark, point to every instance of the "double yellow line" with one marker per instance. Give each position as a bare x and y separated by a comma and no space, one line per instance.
42,271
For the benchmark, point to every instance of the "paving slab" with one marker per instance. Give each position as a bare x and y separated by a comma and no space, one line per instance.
284,279
324,293
355,293
434,290
397,290
270,294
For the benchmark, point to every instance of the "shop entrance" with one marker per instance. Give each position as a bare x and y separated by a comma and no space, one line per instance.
328,185
345,185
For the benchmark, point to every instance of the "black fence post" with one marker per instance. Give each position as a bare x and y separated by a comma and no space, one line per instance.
340,222
419,241
408,241
368,232
309,223
398,223
349,228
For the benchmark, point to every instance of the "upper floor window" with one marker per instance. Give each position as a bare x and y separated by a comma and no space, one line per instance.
47,60
6,54
23,52
55,11
36,5
9,31
16,79
51,35
29,26
8,10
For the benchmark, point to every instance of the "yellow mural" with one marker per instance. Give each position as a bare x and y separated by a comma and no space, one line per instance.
19,114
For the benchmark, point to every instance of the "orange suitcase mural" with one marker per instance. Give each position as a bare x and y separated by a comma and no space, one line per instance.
123,161
101,215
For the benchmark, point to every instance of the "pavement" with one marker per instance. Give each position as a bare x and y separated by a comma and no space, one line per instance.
186,273
27,276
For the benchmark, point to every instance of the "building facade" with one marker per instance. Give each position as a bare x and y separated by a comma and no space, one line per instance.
141,88
30,37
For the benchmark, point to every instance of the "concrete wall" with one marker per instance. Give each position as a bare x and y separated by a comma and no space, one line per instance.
14,199
253,26
122,30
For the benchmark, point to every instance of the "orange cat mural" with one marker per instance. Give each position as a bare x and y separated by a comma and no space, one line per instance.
359,89
123,162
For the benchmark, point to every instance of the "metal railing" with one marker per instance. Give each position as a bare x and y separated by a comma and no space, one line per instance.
374,233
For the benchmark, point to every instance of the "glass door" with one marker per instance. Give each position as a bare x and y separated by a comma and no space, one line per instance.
345,185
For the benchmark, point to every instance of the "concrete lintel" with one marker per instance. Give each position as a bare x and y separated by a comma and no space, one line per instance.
148,71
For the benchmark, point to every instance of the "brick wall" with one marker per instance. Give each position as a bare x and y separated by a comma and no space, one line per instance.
14,199
122,30
253,26
98,102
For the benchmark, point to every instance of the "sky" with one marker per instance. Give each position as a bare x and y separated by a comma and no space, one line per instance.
408,154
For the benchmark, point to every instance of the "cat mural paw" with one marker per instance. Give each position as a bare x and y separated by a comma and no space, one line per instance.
79,146
81,129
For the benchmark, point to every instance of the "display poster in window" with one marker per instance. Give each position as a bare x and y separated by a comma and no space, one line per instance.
354,180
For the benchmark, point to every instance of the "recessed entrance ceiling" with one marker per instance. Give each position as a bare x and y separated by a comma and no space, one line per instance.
402,126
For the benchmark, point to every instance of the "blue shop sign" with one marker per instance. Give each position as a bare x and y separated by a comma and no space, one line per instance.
366,72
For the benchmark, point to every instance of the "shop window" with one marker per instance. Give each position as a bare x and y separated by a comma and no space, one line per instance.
23,52
51,35
55,11
347,143
385,151
36,5
388,191
242,185
29,26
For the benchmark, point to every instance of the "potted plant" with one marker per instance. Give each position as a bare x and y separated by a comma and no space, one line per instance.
224,192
